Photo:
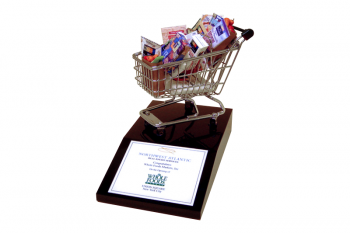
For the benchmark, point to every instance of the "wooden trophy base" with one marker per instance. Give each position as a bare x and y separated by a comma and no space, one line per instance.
193,134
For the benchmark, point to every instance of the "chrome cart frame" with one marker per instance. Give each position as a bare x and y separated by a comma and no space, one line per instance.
204,75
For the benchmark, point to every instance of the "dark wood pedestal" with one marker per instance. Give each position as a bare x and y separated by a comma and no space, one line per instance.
193,134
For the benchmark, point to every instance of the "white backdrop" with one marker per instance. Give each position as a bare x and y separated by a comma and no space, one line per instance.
68,96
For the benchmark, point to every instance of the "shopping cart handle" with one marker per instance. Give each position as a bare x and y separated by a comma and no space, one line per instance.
246,33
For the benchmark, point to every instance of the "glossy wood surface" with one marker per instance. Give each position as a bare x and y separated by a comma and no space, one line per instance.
194,134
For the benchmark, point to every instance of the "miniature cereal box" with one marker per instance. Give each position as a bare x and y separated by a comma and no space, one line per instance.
198,45
190,35
176,47
149,48
175,50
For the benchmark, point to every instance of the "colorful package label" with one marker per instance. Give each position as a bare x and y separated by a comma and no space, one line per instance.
194,46
172,50
199,27
214,20
218,33
170,32
173,33
200,30
149,48
206,20
148,51
190,35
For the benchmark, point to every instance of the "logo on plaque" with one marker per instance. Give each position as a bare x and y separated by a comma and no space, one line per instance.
167,150
156,179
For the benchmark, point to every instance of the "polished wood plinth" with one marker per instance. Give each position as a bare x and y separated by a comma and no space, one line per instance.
193,134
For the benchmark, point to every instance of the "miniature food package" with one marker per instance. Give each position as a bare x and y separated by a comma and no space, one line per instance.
190,35
175,48
158,59
218,33
206,19
199,27
198,45
213,21
170,32
149,48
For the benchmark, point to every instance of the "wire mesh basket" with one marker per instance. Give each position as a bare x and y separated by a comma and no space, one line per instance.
204,75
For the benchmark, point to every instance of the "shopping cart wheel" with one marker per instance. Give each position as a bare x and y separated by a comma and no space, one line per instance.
213,126
189,105
160,131
213,122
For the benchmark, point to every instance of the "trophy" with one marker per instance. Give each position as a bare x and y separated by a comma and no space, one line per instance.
168,160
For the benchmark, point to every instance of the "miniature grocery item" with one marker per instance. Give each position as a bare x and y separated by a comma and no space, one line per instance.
150,58
175,47
229,24
190,35
198,45
218,33
191,64
199,27
206,19
149,48
170,32
158,59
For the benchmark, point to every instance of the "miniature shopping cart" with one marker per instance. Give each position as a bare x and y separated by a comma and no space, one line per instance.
204,75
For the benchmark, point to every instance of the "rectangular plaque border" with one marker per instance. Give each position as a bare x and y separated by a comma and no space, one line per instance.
199,175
